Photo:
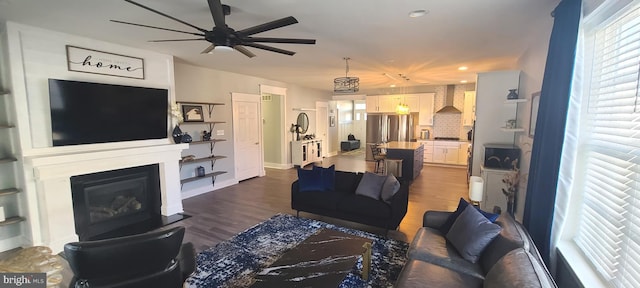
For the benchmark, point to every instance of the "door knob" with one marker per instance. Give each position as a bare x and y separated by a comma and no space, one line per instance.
257,143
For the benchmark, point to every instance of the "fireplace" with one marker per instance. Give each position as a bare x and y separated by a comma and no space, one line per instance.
117,202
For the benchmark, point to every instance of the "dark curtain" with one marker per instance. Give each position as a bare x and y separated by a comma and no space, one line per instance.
549,134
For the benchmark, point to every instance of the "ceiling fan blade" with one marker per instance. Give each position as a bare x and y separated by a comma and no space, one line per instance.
217,13
166,15
278,40
208,49
244,51
154,27
269,48
269,26
176,40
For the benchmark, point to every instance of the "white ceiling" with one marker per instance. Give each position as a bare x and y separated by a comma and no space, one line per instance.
377,35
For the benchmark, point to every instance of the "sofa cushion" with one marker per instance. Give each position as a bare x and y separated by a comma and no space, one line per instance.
371,185
430,245
512,236
471,233
310,180
320,199
462,204
347,182
364,206
423,274
519,268
389,188
328,177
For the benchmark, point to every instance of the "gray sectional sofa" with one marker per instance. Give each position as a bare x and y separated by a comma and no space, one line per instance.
510,260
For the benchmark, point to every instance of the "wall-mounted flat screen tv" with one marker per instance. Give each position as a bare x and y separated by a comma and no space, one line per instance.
88,113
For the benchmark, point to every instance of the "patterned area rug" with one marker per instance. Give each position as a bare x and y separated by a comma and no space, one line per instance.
354,153
234,263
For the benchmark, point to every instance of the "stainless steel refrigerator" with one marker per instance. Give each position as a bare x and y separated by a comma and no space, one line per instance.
382,128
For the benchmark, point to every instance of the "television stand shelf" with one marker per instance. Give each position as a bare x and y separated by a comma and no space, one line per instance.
12,220
212,142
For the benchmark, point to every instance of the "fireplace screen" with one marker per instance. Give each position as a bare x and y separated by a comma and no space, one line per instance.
106,202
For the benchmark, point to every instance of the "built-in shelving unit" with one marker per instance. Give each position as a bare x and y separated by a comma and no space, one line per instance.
9,191
12,220
212,142
515,103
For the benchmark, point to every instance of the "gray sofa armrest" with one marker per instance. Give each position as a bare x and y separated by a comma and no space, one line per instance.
435,219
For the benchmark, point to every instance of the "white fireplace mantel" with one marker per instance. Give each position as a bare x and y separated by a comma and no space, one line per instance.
49,187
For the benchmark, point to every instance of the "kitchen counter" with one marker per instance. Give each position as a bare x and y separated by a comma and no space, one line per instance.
401,145
411,153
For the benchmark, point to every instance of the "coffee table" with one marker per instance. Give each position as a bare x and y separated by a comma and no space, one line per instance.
322,260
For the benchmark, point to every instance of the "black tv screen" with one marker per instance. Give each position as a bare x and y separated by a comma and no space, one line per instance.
88,113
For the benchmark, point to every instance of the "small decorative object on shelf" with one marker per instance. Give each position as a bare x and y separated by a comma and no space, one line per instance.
511,124
186,138
200,171
206,135
512,94
188,158
177,134
192,113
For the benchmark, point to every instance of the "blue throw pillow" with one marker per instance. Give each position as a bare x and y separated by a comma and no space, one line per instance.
328,176
462,204
310,180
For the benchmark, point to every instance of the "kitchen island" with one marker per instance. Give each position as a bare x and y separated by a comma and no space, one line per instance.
411,153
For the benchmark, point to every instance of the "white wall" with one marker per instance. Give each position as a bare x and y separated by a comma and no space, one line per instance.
532,64
201,84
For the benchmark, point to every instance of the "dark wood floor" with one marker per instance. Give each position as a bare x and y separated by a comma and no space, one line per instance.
220,214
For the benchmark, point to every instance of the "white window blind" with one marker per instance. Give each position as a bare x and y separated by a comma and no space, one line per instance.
608,232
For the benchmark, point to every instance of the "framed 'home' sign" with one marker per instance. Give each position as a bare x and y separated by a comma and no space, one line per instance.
105,63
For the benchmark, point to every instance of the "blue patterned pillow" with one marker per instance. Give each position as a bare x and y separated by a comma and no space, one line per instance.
310,180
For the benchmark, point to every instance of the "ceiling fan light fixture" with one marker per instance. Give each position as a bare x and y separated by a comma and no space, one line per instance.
222,48
346,84
418,13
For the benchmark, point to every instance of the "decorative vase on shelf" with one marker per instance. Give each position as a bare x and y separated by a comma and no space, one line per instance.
177,134
186,138
512,94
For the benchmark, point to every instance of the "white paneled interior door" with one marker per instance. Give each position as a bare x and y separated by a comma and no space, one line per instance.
322,118
247,135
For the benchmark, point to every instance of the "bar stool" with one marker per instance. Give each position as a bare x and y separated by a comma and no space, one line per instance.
379,157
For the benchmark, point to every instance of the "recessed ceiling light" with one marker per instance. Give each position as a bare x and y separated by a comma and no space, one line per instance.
463,68
418,13
463,81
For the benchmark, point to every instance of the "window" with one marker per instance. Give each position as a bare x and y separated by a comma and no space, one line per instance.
608,230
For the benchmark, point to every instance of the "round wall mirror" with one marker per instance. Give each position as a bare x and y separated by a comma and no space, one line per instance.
303,122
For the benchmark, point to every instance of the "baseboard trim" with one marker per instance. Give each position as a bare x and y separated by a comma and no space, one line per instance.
278,165
209,188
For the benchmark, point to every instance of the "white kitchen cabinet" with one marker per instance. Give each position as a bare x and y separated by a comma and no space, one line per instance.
389,103
469,110
426,108
372,104
446,152
413,101
382,103
493,186
305,152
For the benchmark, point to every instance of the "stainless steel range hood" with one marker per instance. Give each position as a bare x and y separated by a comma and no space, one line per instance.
448,102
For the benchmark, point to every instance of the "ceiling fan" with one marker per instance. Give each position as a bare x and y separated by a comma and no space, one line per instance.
222,37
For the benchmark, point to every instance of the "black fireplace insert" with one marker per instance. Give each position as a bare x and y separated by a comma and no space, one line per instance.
116,203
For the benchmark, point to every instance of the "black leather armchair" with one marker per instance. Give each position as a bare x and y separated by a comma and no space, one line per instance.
153,259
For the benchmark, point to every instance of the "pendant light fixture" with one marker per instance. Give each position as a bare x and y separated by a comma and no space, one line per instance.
346,84
403,108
